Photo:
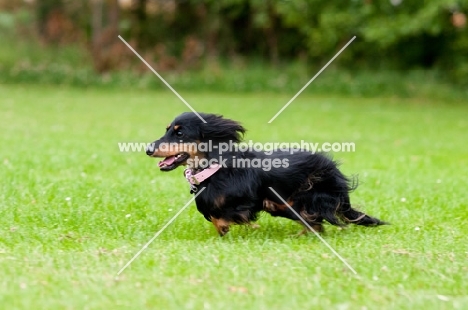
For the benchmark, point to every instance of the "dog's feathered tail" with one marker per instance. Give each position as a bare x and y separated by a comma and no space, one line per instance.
354,216
330,199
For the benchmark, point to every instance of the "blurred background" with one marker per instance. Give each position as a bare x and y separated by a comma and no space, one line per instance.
402,46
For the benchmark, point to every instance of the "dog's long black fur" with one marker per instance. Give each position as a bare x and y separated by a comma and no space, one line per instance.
311,183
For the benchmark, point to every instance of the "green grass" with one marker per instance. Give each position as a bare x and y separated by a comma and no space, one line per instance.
74,210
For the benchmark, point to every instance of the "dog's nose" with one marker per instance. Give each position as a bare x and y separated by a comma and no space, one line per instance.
150,149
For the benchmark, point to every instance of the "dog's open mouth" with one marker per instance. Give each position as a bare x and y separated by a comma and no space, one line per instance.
173,161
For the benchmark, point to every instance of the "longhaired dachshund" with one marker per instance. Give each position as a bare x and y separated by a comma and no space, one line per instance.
234,185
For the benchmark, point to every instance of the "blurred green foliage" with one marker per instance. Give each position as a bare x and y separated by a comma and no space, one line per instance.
390,33
29,63
183,35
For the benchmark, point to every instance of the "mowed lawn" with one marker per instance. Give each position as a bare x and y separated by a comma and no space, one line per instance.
74,209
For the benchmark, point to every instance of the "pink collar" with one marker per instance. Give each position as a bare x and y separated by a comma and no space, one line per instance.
196,179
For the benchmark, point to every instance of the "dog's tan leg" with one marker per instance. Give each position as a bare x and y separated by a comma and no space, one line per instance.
221,225
269,206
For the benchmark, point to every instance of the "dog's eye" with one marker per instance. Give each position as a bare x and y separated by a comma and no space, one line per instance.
179,133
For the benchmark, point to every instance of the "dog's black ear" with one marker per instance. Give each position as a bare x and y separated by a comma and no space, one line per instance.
222,129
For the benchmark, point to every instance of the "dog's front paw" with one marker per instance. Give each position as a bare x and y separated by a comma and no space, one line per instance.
221,225
223,230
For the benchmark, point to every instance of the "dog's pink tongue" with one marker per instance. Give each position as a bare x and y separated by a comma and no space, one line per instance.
167,161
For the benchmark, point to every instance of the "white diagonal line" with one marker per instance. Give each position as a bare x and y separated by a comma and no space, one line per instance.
308,83
162,79
313,230
160,231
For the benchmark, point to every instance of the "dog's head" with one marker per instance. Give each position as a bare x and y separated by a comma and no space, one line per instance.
187,132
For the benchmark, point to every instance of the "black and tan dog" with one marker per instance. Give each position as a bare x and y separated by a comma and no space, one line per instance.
310,183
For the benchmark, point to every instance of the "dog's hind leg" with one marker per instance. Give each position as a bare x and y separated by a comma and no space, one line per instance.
313,220
316,226
276,209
